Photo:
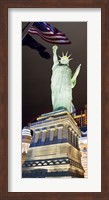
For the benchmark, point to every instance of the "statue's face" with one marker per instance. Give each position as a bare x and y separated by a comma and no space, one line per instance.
64,60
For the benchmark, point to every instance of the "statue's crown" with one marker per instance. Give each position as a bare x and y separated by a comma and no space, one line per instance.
65,57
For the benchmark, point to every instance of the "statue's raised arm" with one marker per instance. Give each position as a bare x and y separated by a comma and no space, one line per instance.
55,57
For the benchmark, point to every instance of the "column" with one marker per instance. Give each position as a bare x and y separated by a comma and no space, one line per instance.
70,134
77,144
40,138
73,138
44,131
51,134
60,128
65,133
36,136
76,141
47,137
55,135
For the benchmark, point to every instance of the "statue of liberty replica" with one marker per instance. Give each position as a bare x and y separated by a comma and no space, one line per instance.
54,148
62,82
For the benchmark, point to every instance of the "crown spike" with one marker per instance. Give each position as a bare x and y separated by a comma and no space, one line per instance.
60,57
66,53
69,56
70,59
62,53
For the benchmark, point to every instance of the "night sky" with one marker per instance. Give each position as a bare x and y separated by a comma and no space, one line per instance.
36,71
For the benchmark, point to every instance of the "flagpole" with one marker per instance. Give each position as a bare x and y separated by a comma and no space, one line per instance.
26,28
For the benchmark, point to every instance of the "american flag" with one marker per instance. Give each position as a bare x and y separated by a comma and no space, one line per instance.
48,33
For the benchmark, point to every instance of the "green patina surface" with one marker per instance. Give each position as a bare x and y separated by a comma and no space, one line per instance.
62,82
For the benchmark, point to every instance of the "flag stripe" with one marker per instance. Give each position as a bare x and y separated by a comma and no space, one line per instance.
48,35
53,41
58,37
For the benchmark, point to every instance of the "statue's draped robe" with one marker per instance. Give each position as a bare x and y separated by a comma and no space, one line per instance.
61,87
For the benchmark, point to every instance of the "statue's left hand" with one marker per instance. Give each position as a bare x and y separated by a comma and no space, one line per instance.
73,80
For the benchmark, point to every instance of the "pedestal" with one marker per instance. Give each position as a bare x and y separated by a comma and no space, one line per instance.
54,150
